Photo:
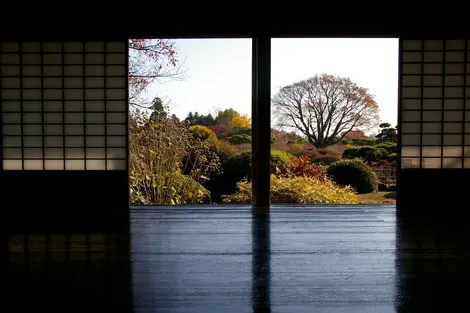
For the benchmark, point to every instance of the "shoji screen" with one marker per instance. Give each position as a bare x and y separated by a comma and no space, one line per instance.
64,105
435,104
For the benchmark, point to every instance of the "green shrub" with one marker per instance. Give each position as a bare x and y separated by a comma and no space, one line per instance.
383,153
238,139
363,142
328,151
391,147
238,167
326,159
202,132
368,154
350,153
355,173
223,149
279,161
166,189
392,157
241,131
297,189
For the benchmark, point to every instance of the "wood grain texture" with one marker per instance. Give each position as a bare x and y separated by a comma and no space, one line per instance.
231,259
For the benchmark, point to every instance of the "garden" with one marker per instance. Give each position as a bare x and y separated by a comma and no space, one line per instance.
207,160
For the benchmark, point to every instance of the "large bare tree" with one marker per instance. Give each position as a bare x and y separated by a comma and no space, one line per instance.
324,108
151,60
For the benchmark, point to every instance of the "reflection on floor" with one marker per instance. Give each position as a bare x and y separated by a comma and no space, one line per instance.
230,259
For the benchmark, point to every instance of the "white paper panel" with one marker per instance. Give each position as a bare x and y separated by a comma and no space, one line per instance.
9,46
455,44
432,140
431,162
467,140
71,59
115,94
452,151
433,57
116,130
71,118
412,68
54,153
95,141
54,165
53,130
52,94
467,163
11,117
410,128
95,153
467,116
411,116
94,94
94,58
51,70
94,47
120,82
116,153
52,59
94,82
433,44
95,165
432,69
455,56
411,92
453,92
16,165
73,47
73,106
431,151
432,104
432,128
116,118
52,118
431,116
74,153
121,106
455,68
11,82
411,57
452,163
453,128
409,151
94,70
116,47
11,58
455,116
73,82
466,151
32,141
53,141
116,58
74,141
73,94
94,106
32,118
453,104
467,127
31,47
74,165
11,130
411,80
115,70
33,94
10,70
73,70
32,106
432,80
95,130
11,106
95,118
74,129
410,163
52,47
410,140
52,82
11,94
116,141
12,153
33,153
31,59
432,92
117,164
32,130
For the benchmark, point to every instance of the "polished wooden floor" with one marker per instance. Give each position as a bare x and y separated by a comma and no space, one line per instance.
326,259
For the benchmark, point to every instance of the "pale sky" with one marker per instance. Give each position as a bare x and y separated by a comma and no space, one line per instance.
219,71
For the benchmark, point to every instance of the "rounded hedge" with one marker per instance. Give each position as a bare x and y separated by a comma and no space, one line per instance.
355,173
202,132
238,139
